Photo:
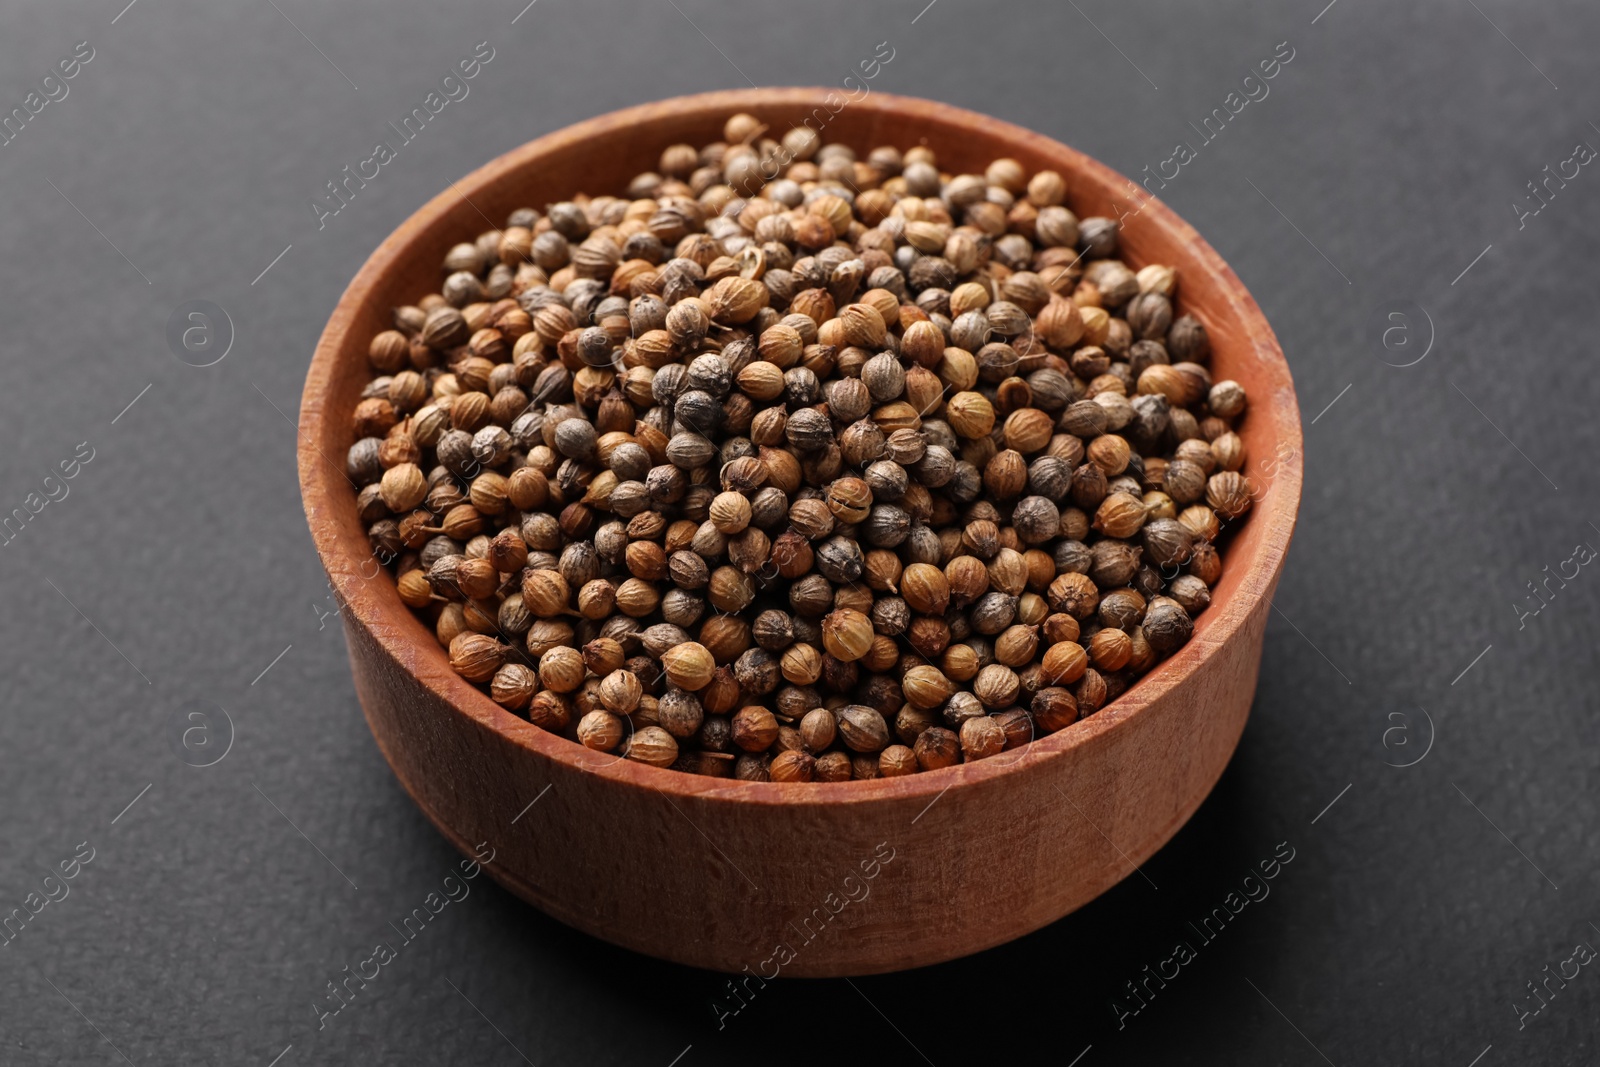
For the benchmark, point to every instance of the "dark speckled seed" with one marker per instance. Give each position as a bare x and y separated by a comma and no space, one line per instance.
966,483
616,422
848,399
669,382
362,463
1073,556
709,373
629,462
773,630
801,387
455,452
886,526
1098,236
809,430
839,560
699,411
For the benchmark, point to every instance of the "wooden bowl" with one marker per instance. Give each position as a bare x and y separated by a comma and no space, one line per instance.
804,879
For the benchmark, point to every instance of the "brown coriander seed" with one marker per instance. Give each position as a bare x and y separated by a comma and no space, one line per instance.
1185,480
969,414
1054,708
545,593
1143,658
1064,663
1168,542
1229,494
1017,645
801,664
476,578
982,538
679,713
792,766
730,512
847,634
476,657
863,729
960,663
414,589
1110,453
1120,515
1226,399
967,578
754,729
652,745
597,598
1028,430
730,589
620,692
1161,379
996,685
817,730
508,552
1110,649
1228,449
925,686
513,686
688,665
981,738
1205,563
601,731
1190,593
561,669
403,487
1005,475
550,711
925,588
603,655
751,768
1036,520
722,391
849,499
936,748
897,761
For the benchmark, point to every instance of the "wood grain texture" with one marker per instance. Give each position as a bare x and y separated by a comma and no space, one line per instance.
717,873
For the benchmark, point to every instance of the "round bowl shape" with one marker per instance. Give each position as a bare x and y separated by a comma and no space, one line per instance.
834,879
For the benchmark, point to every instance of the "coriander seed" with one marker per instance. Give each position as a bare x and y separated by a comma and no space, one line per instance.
794,440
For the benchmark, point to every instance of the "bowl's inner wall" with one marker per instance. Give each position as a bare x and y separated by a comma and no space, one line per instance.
616,149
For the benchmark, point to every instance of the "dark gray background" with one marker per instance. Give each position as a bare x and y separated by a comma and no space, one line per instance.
1418,905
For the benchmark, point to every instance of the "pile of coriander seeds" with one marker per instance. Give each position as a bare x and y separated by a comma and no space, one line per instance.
797,464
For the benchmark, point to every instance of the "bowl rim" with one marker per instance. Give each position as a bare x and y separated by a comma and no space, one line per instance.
381,613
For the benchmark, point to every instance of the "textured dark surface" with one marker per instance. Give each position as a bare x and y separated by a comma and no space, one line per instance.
1415,908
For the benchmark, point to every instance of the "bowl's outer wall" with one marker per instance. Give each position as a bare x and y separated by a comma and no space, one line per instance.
720,874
